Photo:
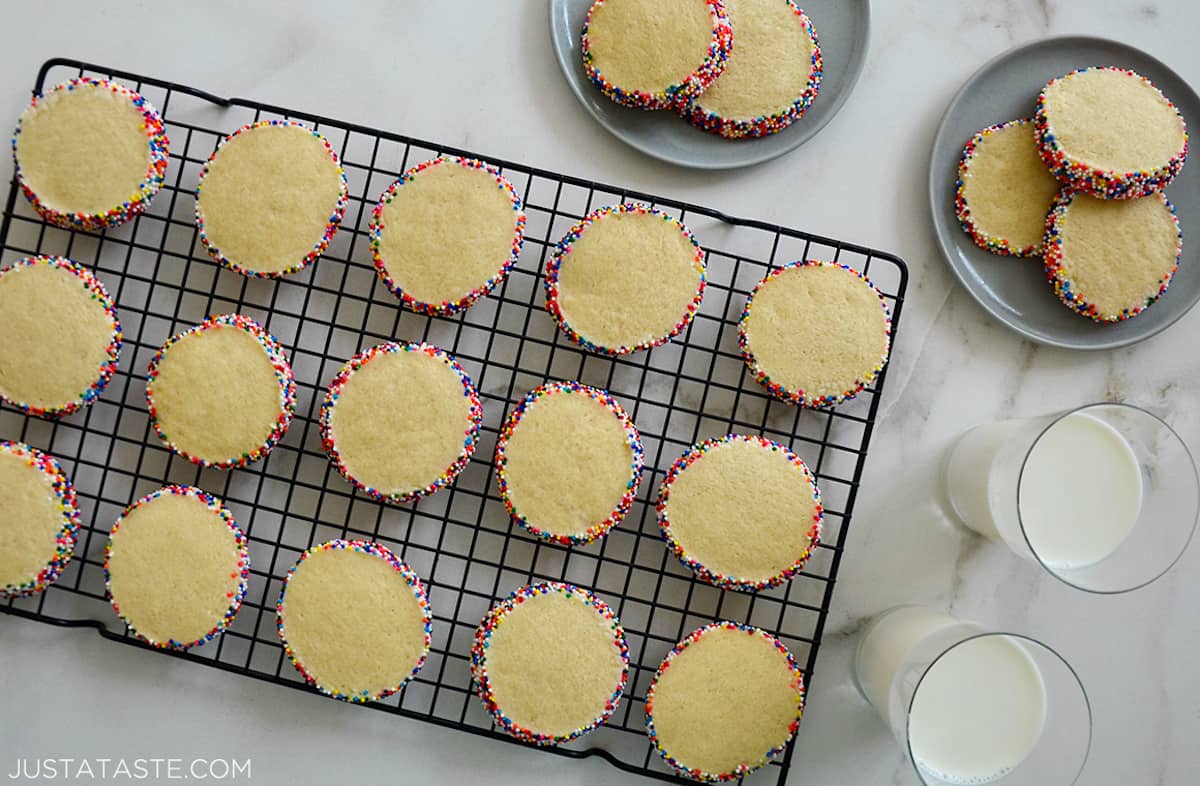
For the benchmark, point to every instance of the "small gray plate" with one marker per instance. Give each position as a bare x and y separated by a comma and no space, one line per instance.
843,30
1015,291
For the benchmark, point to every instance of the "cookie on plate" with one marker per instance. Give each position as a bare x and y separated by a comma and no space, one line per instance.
89,154
400,420
446,233
354,620
39,519
742,512
815,333
1110,260
176,567
61,336
568,462
740,678
221,394
270,198
650,55
773,74
1004,191
626,277
550,662
1110,132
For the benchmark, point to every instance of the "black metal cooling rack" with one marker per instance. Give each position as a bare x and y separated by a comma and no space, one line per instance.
460,540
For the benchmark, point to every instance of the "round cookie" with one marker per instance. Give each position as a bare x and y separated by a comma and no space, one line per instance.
773,73
741,512
550,662
222,393
815,333
568,463
1109,260
400,420
39,518
626,277
1004,191
89,154
1110,132
354,620
652,55
61,336
446,233
176,567
270,198
724,701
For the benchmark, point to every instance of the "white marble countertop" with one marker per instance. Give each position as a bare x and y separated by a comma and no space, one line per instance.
481,75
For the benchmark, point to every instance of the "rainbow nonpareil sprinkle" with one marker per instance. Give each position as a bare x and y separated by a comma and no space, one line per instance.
343,378
108,364
378,227
68,506
279,364
693,639
157,145
241,571
545,529
696,565
331,227
992,243
372,550
495,618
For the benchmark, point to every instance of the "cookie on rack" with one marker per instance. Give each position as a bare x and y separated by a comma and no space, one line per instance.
741,677
773,74
176,567
446,233
815,333
568,462
550,662
221,394
354,620
741,512
61,336
39,519
1110,260
270,198
400,420
1004,191
90,153
1110,132
626,277
651,55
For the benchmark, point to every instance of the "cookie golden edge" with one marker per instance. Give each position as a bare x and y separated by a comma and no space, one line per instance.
111,353
799,397
690,562
962,208
377,228
410,577
1060,279
331,227
339,382
243,567
1104,183
159,146
712,66
617,515
745,769
495,617
68,503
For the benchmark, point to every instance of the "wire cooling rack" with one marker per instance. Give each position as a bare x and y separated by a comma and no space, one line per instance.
461,541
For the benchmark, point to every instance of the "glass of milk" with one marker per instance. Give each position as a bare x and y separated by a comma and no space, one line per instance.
974,706
1104,497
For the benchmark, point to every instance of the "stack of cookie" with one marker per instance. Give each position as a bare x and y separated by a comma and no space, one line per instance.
738,68
1080,184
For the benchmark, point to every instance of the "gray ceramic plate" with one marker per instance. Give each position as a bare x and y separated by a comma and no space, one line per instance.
843,29
1015,291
